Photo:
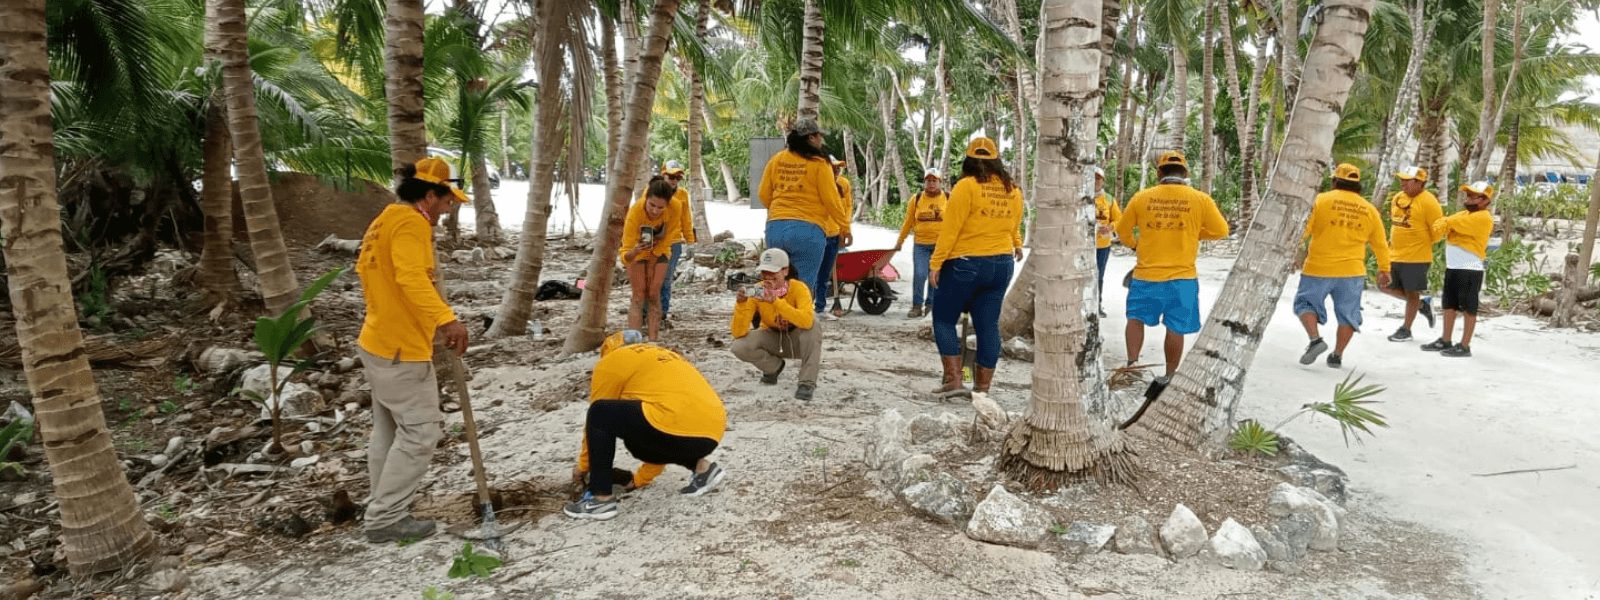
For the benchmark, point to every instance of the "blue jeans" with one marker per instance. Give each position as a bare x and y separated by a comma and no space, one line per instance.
825,274
804,243
666,284
1311,296
1101,257
977,285
920,255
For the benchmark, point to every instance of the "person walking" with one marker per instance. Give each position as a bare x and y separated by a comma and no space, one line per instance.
662,410
838,233
1106,214
1171,218
1466,235
647,232
773,321
972,263
801,194
1341,227
1412,212
924,219
673,174
404,314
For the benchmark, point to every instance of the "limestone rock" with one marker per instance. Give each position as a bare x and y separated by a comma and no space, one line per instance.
888,447
1330,482
992,422
1236,548
922,429
1290,500
915,468
1296,531
1018,349
1087,538
298,399
1183,534
1003,518
167,581
942,498
1135,536
1272,542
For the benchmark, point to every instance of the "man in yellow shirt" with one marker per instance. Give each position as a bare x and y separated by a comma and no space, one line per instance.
774,321
1466,236
1412,212
924,218
673,173
1341,227
404,313
1106,214
1171,218
661,408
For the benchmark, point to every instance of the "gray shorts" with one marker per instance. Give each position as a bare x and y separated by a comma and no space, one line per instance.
1409,277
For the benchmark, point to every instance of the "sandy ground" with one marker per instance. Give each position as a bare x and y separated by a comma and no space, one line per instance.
798,519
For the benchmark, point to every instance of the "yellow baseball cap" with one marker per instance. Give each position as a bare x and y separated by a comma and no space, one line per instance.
1347,172
1172,157
672,168
620,339
1479,187
435,170
982,147
1413,172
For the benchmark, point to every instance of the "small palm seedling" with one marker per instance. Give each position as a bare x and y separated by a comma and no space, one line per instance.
1349,409
472,564
279,338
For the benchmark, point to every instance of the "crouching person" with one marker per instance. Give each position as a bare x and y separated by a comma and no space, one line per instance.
774,320
660,407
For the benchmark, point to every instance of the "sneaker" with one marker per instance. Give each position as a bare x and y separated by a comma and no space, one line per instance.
1157,386
1438,345
1427,310
1313,350
805,391
701,483
407,528
590,508
1457,351
772,378
1400,335
1335,361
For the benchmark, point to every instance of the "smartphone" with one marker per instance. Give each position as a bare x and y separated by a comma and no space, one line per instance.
755,291
647,235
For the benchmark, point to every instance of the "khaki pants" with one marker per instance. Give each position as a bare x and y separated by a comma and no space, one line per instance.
766,349
405,430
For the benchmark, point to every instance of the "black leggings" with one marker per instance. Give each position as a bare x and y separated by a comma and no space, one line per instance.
610,420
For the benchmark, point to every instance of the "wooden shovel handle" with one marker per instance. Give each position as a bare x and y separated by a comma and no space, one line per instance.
458,373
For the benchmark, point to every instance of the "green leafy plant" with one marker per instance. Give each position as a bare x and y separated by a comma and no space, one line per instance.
15,434
167,512
433,593
168,407
1058,529
183,384
279,338
1513,273
472,564
1251,438
1349,408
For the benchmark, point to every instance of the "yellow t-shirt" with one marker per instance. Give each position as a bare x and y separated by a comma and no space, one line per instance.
846,204
1411,238
982,219
924,218
667,228
1171,218
1341,227
795,307
1106,213
1468,230
397,274
674,397
801,189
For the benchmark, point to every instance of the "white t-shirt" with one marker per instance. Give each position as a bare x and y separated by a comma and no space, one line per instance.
1456,257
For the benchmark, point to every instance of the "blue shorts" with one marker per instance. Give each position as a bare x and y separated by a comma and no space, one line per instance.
1174,303
1312,297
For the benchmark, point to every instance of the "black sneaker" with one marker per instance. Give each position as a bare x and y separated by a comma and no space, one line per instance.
1457,351
591,509
701,483
1400,335
406,528
1157,386
1313,350
772,378
1427,311
805,391
1335,361
1438,345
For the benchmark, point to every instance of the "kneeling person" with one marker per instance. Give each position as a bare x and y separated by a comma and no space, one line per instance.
1341,228
776,323
660,407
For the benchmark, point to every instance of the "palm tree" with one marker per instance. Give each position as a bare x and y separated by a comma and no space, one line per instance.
103,528
1486,128
1213,373
1397,128
811,62
228,43
697,101
215,273
402,58
1054,443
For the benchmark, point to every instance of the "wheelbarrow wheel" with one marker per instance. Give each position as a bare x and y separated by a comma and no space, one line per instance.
874,295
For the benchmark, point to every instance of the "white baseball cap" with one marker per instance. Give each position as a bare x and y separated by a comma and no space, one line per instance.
934,173
1099,172
773,260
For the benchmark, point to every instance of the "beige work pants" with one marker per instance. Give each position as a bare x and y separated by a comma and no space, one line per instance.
766,349
405,430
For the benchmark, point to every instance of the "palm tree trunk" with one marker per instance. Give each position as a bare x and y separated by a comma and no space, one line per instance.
228,41
1485,137
1506,184
1180,97
728,180
1024,95
589,331
944,99
102,527
1054,444
1205,391
1289,48
613,82
1125,118
892,146
1397,128
487,220
215,273
697,101
402,57
1230,66
1250,147
1482,164
1568,301
811,62
1209,97
1431,139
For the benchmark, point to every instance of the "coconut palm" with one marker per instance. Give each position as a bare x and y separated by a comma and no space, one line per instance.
402,57
1205,391
811,62
103,528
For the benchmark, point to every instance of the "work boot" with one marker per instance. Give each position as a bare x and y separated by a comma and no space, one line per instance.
981,376
915,312
951,382
805,391
406,528
772,378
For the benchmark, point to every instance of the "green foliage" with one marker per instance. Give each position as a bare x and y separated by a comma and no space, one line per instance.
472,564
97,300
1349,407
1250,437
1565,201
280,337
167,512
168,407
183,384
433,593
1058,529
1513,273
890,216
15,434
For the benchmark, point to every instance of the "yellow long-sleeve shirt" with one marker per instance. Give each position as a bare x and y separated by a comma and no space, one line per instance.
801,189
680,205
1171,218
924,218
1468,230
397,274
794,307
1106,214
982,219
1411,239
668,227
1341,227
846,204
674,397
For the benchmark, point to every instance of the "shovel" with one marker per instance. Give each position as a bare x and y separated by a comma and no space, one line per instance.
490,532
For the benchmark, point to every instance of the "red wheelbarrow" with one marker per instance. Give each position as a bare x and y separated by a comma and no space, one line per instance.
868,273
